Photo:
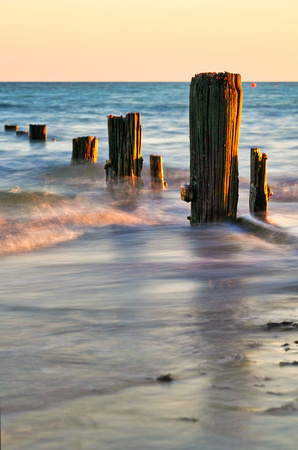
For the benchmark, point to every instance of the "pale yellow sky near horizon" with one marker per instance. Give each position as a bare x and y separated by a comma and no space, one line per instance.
158,40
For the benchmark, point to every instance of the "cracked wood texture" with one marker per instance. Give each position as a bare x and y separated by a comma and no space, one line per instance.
156,171
84,149
215,116
125,155
259,191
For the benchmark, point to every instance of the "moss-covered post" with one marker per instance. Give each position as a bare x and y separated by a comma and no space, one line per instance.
125,155
260,192
84,149
214,115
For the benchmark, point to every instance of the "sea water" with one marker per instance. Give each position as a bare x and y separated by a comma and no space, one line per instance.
103,292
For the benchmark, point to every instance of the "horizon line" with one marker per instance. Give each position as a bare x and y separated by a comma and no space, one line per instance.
133,81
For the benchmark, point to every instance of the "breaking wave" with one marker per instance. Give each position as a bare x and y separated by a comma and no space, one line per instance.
29,221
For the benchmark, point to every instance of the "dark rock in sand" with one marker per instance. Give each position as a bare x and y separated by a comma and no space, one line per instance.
165,378
284,363
285,325
188,419
274,393
288,408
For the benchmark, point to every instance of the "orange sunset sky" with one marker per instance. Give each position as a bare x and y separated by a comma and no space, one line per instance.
154,40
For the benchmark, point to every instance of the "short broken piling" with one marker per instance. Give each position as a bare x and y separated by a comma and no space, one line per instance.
37,132
156,171
11,127
84,149
125,156
215,115
259,191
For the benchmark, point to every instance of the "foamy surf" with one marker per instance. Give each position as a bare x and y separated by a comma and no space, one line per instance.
24,239
49,219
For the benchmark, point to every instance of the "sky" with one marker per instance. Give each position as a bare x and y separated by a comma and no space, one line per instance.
147,40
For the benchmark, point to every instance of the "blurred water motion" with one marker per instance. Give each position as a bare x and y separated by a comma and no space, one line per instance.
102,292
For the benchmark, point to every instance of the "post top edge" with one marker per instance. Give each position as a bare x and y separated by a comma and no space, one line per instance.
219,76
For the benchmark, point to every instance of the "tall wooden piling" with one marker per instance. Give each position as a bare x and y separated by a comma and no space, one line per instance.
260,192
125,155
215,115
84,149
156,171
38,132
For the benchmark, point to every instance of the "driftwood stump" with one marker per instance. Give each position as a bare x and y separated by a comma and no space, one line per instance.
156,171
125,156
215,115
259,191
84,149
38,132
11,127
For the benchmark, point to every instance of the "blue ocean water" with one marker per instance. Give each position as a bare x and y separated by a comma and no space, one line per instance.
103,292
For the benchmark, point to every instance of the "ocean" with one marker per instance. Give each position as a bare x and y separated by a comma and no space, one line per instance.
102,292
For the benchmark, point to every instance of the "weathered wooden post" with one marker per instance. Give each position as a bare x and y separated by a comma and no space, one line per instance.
156,171
84,149
125,156
11,127
38,132
215,115
259,191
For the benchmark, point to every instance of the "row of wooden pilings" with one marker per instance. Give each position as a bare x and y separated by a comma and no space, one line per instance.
36,132
214,119
125,156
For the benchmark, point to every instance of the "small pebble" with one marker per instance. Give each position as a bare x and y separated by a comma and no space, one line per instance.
188,419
